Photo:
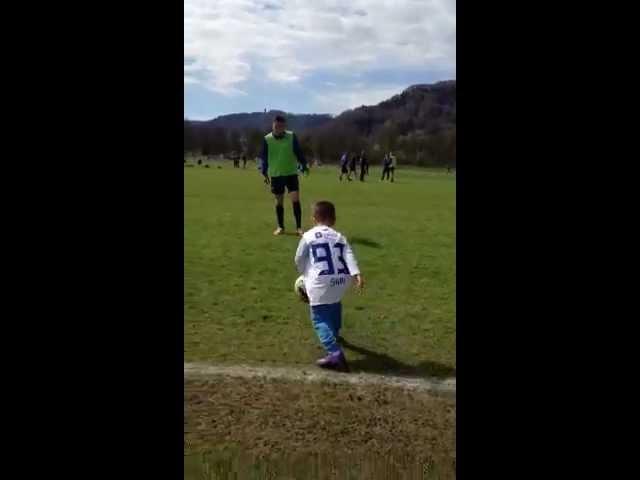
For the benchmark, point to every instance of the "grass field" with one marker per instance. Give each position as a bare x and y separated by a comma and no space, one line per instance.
239,303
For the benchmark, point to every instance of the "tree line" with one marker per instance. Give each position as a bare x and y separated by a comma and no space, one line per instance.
418,125
413,148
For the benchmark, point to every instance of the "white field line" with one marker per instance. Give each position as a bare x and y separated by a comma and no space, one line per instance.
444,387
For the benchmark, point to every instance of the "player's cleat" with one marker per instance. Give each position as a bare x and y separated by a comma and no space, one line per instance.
334,361
300,232
278,231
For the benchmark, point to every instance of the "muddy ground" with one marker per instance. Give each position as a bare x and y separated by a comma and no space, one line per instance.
277,428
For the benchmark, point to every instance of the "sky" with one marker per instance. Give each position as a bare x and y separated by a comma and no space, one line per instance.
311,56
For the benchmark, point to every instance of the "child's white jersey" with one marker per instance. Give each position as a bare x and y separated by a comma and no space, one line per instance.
327,262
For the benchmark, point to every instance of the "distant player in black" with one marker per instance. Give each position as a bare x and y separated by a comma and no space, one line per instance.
385,167
364,166
352,166
244,161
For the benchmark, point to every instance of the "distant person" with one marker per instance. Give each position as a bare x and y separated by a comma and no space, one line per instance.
385,167
352,166
393,163
364,166
244,161
281,154
344,160
199,161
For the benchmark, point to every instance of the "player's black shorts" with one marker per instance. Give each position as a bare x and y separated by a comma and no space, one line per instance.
344,169
279,183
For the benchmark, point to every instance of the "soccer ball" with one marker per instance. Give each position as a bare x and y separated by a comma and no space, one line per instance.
301,291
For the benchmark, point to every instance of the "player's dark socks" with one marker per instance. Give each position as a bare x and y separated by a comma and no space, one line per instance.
297,212
280,215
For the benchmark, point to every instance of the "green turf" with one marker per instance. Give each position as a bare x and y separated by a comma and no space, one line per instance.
239,302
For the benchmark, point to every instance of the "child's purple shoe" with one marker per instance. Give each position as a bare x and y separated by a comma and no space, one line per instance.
334,361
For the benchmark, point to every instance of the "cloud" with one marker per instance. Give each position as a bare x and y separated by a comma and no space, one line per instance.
272,6
354,96
232,42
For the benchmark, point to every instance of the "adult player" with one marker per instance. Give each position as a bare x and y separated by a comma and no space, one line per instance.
281,154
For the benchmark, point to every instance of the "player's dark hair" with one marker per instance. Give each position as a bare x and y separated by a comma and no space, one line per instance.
324,212
280,119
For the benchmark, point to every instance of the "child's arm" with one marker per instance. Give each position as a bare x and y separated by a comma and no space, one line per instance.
359,281
352,265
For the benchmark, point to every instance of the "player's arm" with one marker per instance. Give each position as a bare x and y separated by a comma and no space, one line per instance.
298,152
352,264
264,155
302,255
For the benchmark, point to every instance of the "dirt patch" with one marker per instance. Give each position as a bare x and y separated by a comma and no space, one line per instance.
356,430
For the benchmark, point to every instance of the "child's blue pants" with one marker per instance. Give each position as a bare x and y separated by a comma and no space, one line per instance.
327,321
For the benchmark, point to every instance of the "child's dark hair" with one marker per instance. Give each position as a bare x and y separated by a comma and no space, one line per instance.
280,119
324,212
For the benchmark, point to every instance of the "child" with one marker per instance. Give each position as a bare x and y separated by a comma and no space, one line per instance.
327,262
